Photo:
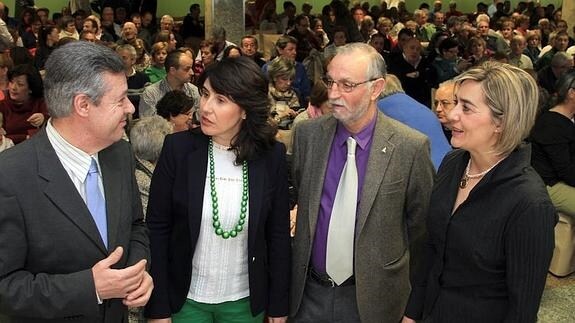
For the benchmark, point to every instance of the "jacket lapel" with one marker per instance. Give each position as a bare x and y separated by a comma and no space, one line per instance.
377,166
61,191
197,165
112,173
256,177
319,159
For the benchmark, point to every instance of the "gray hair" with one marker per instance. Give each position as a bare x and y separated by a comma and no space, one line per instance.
129,48
281,66
147,137
565,83
516,39
376,67
77,68
560,59
392,86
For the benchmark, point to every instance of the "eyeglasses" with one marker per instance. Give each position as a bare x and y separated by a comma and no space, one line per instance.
445,102
344,86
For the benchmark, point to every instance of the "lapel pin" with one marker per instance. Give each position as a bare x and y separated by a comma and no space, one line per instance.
384,150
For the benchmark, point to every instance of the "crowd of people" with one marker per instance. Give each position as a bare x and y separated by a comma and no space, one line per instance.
381,166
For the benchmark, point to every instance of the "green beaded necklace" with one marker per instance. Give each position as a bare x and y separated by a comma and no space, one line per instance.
215,213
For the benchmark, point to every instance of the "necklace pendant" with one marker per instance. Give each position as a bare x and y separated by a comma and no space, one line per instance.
463,182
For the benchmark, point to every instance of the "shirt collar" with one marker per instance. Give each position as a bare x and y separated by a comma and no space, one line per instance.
362,137
78,160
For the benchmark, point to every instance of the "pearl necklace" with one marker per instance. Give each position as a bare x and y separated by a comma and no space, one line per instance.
467,176
244,205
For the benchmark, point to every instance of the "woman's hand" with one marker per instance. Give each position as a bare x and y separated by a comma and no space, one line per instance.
37,119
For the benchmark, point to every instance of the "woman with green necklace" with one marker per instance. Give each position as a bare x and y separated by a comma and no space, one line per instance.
218,211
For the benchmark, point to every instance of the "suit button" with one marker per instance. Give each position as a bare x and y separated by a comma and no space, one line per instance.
253,259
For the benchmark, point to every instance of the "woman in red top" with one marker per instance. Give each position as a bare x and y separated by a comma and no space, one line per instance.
24,109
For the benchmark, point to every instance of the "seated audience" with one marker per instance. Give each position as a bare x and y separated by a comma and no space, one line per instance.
306,39
318,104
249,46
417,76
560,43
339,39
284,101
137,81
516,57
548,76
167,37
232,51
49,37
31,37
147,138
5,143
476,52
68,28
23,108
444,101
208,53
553,142
286,47
179,75
157,70
6,65
449,64
177,108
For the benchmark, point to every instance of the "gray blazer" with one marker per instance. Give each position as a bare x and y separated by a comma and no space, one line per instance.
49,241
390,226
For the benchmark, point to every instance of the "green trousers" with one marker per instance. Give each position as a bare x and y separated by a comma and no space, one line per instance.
228,312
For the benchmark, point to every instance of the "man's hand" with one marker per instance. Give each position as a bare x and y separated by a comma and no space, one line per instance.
407,320
117,283
37,119
141,295
282,319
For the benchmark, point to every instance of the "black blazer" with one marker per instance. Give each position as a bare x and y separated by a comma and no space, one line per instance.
488,261
174,216
49,241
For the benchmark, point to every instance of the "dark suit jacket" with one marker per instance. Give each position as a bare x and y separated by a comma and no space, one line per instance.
49,241
174,218
390,224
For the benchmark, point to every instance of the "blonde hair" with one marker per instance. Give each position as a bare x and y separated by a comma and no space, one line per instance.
512,96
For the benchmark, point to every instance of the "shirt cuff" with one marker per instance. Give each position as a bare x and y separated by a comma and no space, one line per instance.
100,302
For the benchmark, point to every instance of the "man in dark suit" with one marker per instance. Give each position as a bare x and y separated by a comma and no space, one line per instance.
73,245
393,181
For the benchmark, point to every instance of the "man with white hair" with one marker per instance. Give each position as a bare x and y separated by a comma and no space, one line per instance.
516,57
167,24
364,183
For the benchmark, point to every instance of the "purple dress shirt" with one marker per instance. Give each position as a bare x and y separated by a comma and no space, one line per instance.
335,164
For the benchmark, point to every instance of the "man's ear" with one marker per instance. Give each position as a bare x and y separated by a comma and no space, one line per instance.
81,105
377,88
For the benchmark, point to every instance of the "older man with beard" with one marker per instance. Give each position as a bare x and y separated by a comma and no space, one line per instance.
364,182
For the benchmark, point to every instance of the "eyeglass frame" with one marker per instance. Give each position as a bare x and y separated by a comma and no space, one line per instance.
328,82
445,102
